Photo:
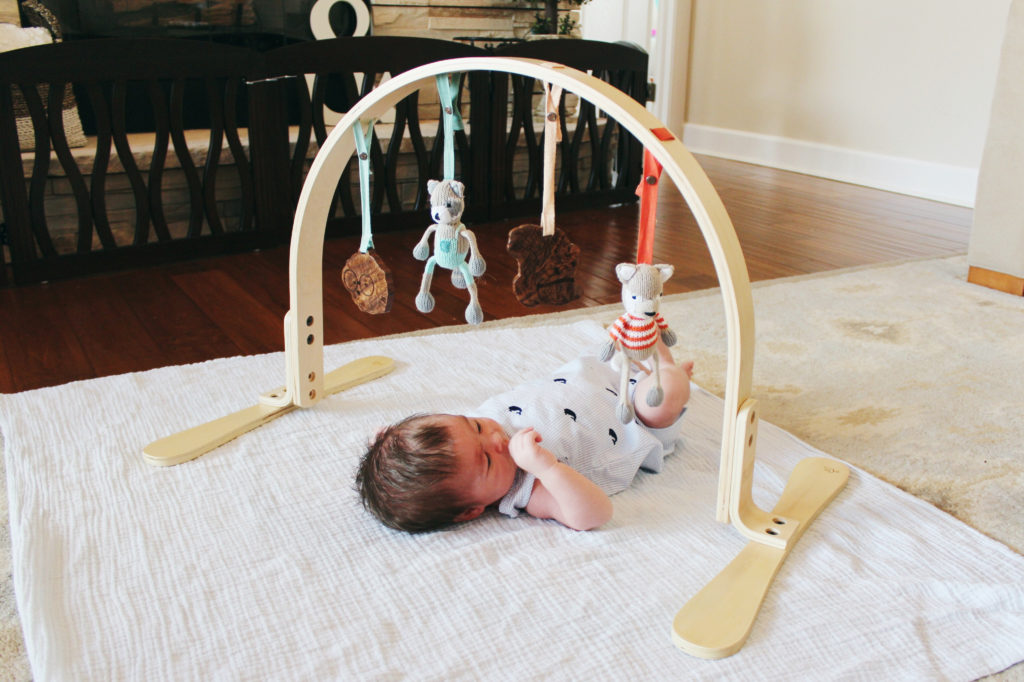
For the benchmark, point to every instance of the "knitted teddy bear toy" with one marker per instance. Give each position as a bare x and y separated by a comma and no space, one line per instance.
452,243
634,334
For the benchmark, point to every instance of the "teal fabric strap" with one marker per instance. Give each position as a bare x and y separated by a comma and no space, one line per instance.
363,156
449,94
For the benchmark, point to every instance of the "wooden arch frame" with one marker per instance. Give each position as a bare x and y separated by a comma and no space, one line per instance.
304,342
717,620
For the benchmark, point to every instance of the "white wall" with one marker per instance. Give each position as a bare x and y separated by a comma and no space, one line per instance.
615,20
888,93
662,29
997,234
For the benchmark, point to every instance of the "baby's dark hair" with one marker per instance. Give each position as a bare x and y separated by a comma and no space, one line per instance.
403,477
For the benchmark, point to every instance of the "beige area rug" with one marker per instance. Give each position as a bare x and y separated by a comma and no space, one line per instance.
904,370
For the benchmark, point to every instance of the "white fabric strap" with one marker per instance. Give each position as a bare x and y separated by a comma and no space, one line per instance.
552,135
363,137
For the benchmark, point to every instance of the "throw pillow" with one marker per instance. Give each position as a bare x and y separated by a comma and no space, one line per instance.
13,38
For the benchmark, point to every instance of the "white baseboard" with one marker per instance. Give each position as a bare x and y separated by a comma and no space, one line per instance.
940,182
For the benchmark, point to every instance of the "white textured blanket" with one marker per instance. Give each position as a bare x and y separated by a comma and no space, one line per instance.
256,562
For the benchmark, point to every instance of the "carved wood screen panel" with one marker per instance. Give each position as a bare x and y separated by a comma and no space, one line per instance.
131,224
198,148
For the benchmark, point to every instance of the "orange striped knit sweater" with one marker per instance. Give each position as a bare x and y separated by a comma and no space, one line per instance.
636,333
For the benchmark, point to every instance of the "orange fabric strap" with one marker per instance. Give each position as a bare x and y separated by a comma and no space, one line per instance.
648,193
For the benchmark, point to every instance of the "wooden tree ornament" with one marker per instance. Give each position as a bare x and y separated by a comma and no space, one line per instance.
365,274
547,260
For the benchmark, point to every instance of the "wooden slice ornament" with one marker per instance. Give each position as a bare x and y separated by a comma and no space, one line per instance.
545,256
365,275
369,281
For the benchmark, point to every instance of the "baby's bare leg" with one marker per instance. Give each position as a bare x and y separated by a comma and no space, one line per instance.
675,381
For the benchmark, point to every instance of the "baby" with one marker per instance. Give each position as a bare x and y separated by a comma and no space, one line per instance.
567,453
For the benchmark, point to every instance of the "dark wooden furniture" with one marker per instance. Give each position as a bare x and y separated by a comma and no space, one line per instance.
196,310
261,127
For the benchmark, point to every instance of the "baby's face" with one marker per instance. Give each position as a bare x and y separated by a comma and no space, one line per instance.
485,467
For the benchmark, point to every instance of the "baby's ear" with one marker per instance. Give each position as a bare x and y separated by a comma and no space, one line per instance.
469,514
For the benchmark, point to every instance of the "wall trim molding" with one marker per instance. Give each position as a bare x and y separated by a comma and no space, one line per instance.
939,182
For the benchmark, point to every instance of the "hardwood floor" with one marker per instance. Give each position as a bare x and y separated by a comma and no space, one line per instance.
787,223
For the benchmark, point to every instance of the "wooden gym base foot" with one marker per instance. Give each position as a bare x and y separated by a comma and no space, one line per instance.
1000,281
189,444
715,623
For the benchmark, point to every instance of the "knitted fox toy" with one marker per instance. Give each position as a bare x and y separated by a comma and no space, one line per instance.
634,334
452,243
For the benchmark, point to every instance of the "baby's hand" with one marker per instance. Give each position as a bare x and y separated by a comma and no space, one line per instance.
527,452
